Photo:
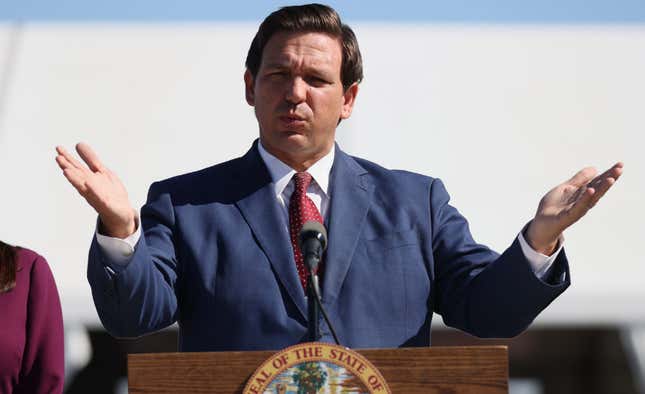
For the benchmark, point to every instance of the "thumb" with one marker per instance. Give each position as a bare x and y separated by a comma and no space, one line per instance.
89,156
582,177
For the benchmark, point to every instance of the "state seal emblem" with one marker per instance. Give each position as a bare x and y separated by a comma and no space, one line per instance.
316,368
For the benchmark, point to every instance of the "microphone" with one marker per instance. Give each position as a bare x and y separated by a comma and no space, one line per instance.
313,242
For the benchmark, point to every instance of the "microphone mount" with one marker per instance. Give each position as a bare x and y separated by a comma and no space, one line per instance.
313,242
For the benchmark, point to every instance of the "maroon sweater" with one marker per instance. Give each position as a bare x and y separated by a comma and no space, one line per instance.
31,330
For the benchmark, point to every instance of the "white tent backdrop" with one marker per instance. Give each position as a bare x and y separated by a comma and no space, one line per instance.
500,113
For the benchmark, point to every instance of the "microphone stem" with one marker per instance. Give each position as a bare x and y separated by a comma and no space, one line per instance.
313,285
312,310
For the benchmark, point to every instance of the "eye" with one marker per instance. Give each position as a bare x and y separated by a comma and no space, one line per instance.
278,73
317,81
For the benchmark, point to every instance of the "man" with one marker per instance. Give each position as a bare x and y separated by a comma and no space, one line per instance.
215,249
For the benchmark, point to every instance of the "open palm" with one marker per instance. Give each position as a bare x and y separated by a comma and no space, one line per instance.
101,188
566,203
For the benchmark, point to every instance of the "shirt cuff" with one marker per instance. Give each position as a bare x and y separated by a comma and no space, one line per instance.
540,263
118,250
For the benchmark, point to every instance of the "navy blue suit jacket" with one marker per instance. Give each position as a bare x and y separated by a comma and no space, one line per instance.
215,258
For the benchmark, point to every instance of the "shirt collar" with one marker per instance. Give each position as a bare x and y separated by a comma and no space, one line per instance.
281,173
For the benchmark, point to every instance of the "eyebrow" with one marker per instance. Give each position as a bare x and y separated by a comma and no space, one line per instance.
320,72
276,65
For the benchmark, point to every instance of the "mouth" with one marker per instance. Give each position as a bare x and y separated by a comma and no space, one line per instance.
292,117
293,120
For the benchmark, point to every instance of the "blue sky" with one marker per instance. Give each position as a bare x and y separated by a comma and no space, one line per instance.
458,11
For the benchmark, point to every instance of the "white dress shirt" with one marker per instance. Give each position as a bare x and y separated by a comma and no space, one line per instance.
120,251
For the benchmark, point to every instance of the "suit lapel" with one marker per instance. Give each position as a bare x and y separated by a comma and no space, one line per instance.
351,195
261,211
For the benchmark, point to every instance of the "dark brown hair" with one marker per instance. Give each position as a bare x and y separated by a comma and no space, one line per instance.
7,267
309,18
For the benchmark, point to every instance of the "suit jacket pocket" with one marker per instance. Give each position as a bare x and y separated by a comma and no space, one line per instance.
399,279
393,240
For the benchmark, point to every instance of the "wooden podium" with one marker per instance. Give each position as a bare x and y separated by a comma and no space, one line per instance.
428,370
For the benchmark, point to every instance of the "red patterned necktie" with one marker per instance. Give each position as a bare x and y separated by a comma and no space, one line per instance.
301,210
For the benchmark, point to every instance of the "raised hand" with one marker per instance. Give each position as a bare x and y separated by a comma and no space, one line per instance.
101,188
566,203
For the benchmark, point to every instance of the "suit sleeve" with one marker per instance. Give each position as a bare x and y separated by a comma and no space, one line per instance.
478,290
139,297
43,364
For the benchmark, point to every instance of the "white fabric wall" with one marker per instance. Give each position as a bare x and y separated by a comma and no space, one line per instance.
501,114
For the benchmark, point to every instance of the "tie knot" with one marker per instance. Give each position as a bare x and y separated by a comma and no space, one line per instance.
302,179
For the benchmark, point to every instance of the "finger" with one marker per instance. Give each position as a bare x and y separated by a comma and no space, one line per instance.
75,163
89,156
77,178
580,207
583,177
602,189
63,163
614,172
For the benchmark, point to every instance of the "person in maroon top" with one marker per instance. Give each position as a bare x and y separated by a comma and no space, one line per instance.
31,325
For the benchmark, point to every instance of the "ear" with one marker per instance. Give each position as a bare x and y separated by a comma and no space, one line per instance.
249,84
349,97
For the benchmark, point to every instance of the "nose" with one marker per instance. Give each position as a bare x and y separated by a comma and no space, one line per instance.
296,90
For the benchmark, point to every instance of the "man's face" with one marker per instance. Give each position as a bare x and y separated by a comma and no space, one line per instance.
298,96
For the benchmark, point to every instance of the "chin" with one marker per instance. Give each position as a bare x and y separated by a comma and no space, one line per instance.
295,137
297,144
287,142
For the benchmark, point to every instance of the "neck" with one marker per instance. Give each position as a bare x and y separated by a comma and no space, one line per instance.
297,162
